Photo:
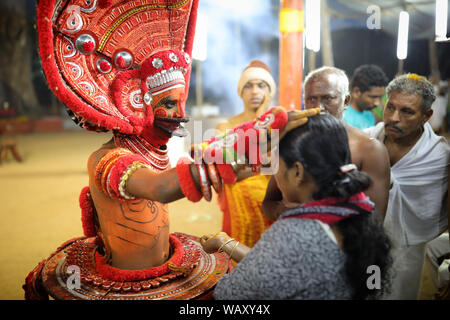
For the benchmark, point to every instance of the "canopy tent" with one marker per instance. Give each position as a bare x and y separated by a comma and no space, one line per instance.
346,14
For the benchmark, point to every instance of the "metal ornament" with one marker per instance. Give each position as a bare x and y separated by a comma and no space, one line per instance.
148,98
157,63
173,57
123,60
85,43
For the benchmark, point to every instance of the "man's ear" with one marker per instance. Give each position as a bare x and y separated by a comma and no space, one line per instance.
355,92
347,100
427,115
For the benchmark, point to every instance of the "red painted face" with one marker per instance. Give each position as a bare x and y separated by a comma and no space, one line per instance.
167,113
163,85
169,104
168,110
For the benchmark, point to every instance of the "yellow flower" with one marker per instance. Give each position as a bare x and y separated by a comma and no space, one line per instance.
416,77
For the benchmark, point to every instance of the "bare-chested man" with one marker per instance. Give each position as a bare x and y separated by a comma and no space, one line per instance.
327,88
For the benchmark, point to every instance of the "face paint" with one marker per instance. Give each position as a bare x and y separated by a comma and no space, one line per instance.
163,85
168,111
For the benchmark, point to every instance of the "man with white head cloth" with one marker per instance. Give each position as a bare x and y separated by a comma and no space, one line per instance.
256,87
241,202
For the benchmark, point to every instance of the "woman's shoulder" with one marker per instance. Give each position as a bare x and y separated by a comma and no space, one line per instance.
299,233
304,248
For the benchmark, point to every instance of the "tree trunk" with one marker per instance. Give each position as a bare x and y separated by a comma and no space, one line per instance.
16,59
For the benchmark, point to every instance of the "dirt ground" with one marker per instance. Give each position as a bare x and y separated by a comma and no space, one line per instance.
39,203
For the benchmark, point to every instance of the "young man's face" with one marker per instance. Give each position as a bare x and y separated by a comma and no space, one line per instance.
254,94
403,115
368,100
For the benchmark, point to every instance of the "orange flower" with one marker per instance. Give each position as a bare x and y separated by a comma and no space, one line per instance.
416,77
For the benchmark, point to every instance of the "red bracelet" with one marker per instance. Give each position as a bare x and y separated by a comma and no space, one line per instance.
185,180
226,172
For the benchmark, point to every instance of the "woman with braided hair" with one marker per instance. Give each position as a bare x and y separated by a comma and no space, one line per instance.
322,247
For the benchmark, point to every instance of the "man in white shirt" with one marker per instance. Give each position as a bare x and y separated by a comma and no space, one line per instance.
417,206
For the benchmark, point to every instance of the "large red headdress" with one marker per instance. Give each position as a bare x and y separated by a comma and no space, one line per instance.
106,59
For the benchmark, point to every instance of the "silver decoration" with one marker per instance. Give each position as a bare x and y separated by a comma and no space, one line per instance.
173,57
82,39
270,118
157,63
100,69
148,98
76,69
135,99
70,47
163,77
91,9
128,58
187,58
74,22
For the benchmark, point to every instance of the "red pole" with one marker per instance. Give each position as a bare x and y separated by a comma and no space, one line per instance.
291,53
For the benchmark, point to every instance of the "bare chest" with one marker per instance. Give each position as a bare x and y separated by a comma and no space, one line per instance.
396,152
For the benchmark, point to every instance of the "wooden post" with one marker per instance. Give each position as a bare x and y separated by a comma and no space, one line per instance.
327,50
400,67
291,53
312,60
434,66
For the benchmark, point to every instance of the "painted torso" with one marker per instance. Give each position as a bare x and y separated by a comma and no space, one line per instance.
136,232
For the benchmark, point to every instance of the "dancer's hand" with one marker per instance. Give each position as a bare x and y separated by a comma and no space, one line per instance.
297,118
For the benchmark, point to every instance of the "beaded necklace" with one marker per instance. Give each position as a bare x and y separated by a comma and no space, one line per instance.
158,158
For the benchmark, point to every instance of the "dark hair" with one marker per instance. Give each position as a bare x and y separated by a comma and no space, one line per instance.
367,76
321,146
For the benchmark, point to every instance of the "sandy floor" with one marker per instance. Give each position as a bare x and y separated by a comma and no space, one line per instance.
39,203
